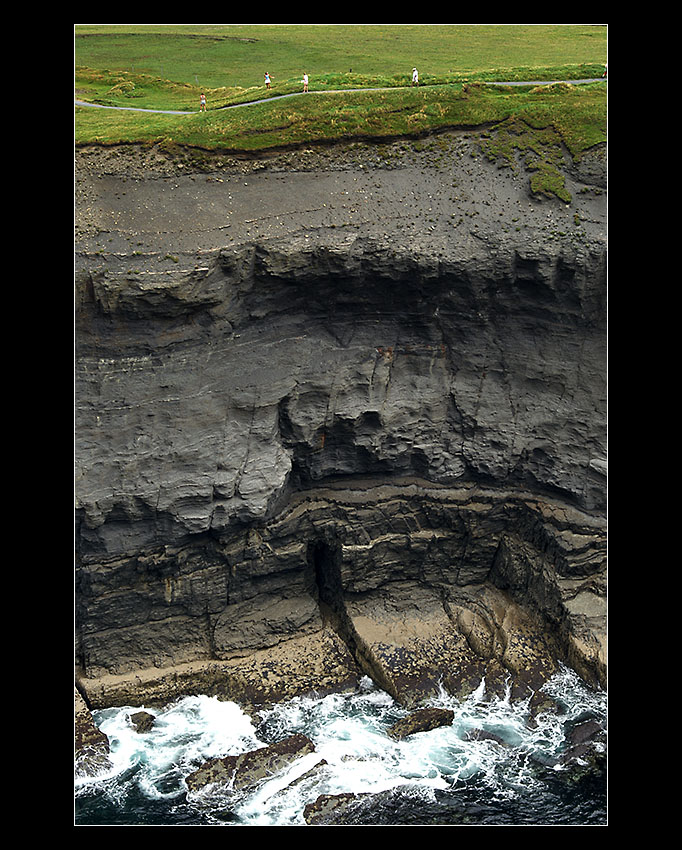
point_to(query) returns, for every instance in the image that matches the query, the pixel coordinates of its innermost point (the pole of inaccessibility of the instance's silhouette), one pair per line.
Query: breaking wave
(497, 763)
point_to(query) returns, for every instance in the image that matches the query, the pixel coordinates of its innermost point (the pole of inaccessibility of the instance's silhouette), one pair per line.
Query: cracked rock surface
(339, 412)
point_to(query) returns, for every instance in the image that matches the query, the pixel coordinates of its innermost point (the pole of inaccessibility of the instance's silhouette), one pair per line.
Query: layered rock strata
(337, 447)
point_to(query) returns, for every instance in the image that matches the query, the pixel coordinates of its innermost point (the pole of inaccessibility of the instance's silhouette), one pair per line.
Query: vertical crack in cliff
(324, 558)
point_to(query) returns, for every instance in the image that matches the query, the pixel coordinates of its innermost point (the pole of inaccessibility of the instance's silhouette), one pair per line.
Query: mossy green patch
(539, 149)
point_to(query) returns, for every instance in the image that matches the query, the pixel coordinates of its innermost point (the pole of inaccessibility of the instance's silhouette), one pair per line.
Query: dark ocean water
(493, 766)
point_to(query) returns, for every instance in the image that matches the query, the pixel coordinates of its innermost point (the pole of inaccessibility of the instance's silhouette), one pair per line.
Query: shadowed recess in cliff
(325, 559)
(344, 445)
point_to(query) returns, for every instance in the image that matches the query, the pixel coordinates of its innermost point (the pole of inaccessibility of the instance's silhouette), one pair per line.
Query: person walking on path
(202, 103)
(305, 82)
(267, 80)
(415, 77)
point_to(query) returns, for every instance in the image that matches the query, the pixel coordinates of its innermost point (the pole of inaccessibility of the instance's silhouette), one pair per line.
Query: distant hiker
(202, 102)
(305, 82)
(415, 77)
(604, 74)
(267, 80)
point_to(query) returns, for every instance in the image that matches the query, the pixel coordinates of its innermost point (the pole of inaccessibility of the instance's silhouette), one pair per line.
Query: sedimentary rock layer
(338, 446)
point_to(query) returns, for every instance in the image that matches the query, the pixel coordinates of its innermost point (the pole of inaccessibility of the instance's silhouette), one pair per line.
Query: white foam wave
(489, 738)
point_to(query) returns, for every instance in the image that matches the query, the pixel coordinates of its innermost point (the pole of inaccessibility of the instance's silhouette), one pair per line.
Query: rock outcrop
(422, 720)
(91, 745)
(248, 770)
(339, 418)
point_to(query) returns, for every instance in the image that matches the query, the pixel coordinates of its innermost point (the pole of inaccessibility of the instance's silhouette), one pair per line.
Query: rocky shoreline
(339, 412)
(224, 783)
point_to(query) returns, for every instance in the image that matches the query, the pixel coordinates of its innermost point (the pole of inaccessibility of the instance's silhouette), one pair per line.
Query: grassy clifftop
(222, 56)
(166, 67)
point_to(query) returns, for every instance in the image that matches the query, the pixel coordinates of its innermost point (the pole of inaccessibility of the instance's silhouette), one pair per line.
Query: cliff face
(336, 416)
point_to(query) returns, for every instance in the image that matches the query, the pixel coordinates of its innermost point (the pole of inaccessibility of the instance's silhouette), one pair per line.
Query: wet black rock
(143, 721)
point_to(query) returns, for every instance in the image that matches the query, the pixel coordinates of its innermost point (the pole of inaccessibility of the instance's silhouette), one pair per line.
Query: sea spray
(496, 762)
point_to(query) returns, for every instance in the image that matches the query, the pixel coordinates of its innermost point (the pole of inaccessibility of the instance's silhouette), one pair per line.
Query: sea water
(494, 765)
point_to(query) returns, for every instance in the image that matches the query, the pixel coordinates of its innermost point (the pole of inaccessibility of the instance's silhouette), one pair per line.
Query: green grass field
(157, 66)
(238, 56)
